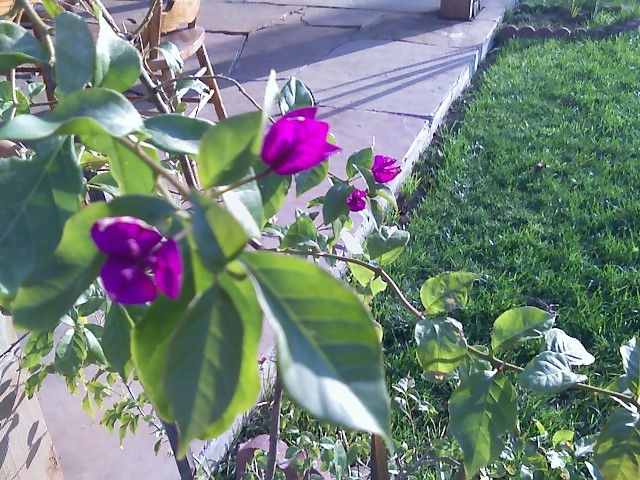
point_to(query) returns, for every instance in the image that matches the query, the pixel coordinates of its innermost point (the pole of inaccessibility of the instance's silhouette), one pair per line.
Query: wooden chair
(177, 24)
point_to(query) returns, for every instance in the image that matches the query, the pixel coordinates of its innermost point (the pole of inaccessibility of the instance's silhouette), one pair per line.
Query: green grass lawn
(538, 190)
(573, 13)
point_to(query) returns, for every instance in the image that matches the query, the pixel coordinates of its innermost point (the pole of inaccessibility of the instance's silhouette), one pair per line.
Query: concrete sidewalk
(380, 69)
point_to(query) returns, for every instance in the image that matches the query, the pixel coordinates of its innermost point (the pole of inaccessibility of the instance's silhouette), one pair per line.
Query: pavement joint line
(341, 108)
(236, 59)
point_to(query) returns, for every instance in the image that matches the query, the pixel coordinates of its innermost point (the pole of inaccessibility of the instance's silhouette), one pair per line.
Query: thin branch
(41, 28)
(11, 347)
(427, 459)
(274, 430)
(216, 76)
(154, 165)
(145, 21)
(244, 181)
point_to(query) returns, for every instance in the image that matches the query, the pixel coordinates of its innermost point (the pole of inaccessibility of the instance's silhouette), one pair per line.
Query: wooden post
(26, 451)
(459, 9)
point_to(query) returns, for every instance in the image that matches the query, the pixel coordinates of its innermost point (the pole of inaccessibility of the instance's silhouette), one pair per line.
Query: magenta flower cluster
(384, 170)
(140, 260)
(296, 142)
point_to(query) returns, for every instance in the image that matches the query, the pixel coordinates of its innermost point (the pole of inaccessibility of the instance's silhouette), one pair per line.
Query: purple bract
(296, 142)
(384, 169)
(140, 261)
(356, 200)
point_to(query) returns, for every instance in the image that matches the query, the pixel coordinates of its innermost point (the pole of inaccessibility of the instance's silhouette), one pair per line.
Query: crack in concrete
(373, 110)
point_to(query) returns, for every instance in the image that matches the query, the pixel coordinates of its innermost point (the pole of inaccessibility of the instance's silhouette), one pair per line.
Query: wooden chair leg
(216, 98)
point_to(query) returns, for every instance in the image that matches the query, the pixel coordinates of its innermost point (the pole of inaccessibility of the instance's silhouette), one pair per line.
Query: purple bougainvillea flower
(356, 200)
(140, 261)
(296, 142)
(384, 169)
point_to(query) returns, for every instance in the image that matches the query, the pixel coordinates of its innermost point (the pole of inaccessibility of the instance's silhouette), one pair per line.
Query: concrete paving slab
(428, 29)
(222, 16)
(286, 48)
(394, 77)
(339, 17)
(387, 5)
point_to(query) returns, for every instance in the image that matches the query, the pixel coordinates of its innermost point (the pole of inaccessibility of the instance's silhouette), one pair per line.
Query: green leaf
(116, 339)
(131, 173)
(245, 204)
(151, 334)
(218, 236)
(229, 149)
(37, 196)
(308, 179)
(52, 8)
(51, 289)
(75, 53)
(301, 235)
(386, 245)
(557, 340)
(519, 324)
(18, 46)
(295, 95)
(203, 365)
(335, 202)
(562, 436)
(630, 352)
(106, 183)
(175, 133)
(273, 191)
(447, 291)
(326, 342)
(481, 409)
(441, 347)
(362, 160)
(118, 64)
(171, 55)
(617, 448)
(94, 348)
(94, 111)
(243, 294)
(71, 351)
(384, 192)
(549, 372)
(38, 345)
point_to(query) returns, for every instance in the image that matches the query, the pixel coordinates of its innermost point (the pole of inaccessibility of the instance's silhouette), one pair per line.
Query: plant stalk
(186, 466)
(274, 429)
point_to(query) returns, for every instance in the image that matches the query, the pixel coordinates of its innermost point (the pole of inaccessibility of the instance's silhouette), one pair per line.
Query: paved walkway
(380, 69)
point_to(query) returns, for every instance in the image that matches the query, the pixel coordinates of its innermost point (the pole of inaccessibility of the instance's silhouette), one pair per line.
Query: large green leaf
(519, 324)
(441, 347)
(176, 133)
(481, 409)
(218, 236)
(245, 204)
(549, 372)
(116, 339)
(447, 291)
(37, 196)
(151, 334)
(203, 364)
(386, 245)
(242, 293)
(53, 286)
(630, 352)
(557, 340)
(118, 64)
(132, 174)
(229, 149)
(75, 53)
(617, 448)
(329, 357)
(18, 46)
(94, 111)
